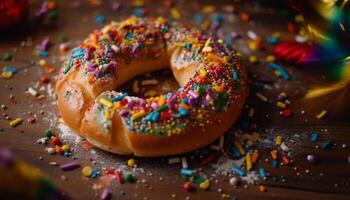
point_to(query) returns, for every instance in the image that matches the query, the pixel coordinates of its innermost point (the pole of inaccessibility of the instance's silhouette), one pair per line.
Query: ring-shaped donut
(213, 88)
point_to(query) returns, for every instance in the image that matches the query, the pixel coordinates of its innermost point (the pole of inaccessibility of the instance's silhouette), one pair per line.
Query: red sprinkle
(44, 79)
(188, 187)
(55, 141)
(119, 176)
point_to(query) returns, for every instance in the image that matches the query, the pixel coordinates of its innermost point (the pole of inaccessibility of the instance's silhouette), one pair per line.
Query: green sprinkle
(221, 101)
(48, 133)
(128, 177)
(52, 15)
(6, 57)
(63, 38)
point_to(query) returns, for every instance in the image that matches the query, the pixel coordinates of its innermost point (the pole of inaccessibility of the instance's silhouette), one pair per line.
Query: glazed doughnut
(213, 88)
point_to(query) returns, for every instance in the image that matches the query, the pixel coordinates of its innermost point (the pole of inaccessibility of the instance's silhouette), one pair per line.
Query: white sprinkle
(149, 82)
(32, 92)
(261, 97)
(43, 140)
(215, 147)
(115, 49)
(184, 163)
(174, 160)
(252, 35)
(234, 181)
(301, 39)
(284, 147)
(51, 150)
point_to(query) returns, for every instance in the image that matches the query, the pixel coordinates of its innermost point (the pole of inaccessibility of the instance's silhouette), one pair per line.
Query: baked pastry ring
(213, 88)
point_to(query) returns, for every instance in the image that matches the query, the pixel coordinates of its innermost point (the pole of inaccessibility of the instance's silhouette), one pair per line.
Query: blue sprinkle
(313, 137)
(275, 164)
(198, 19)
(327, 144)
(234, 74)
(138, 12)
(235, 153)
(218, 18)
(234, 198)
(186, 172)
(10, 69)
(155, 116)
(187, 45)
(272, 40)
(262, 172)
(238, 170)
(280, 69)
(94, 173)
(78, 53)
(229, 41)
(100, 19)
(43, 54)
(129, 36)
(119, 98)
(183, 112)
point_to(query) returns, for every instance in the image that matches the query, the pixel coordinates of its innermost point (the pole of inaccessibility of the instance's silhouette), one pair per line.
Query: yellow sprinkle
(106, 102)
(116, 105)
(131, 162)
(138, 3)
(278, 140)
(208, 9)
(7, 74)
(281, 104)
(322, 114)
(138, 114)
(218, 89)
(205, 24)
(270, 58)
(150, 93)
(16, 122)
(175, 13)
(107, 114)
(206, 47)
(240, 148)
(61, 121)
(65, 147)
(205, 184)
(253, 59)
(202, 73)
(248, 161)
(161, 100)
(86, 171)
(277, 73)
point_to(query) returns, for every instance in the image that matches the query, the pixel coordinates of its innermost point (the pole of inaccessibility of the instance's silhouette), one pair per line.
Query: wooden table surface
(328, 179)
